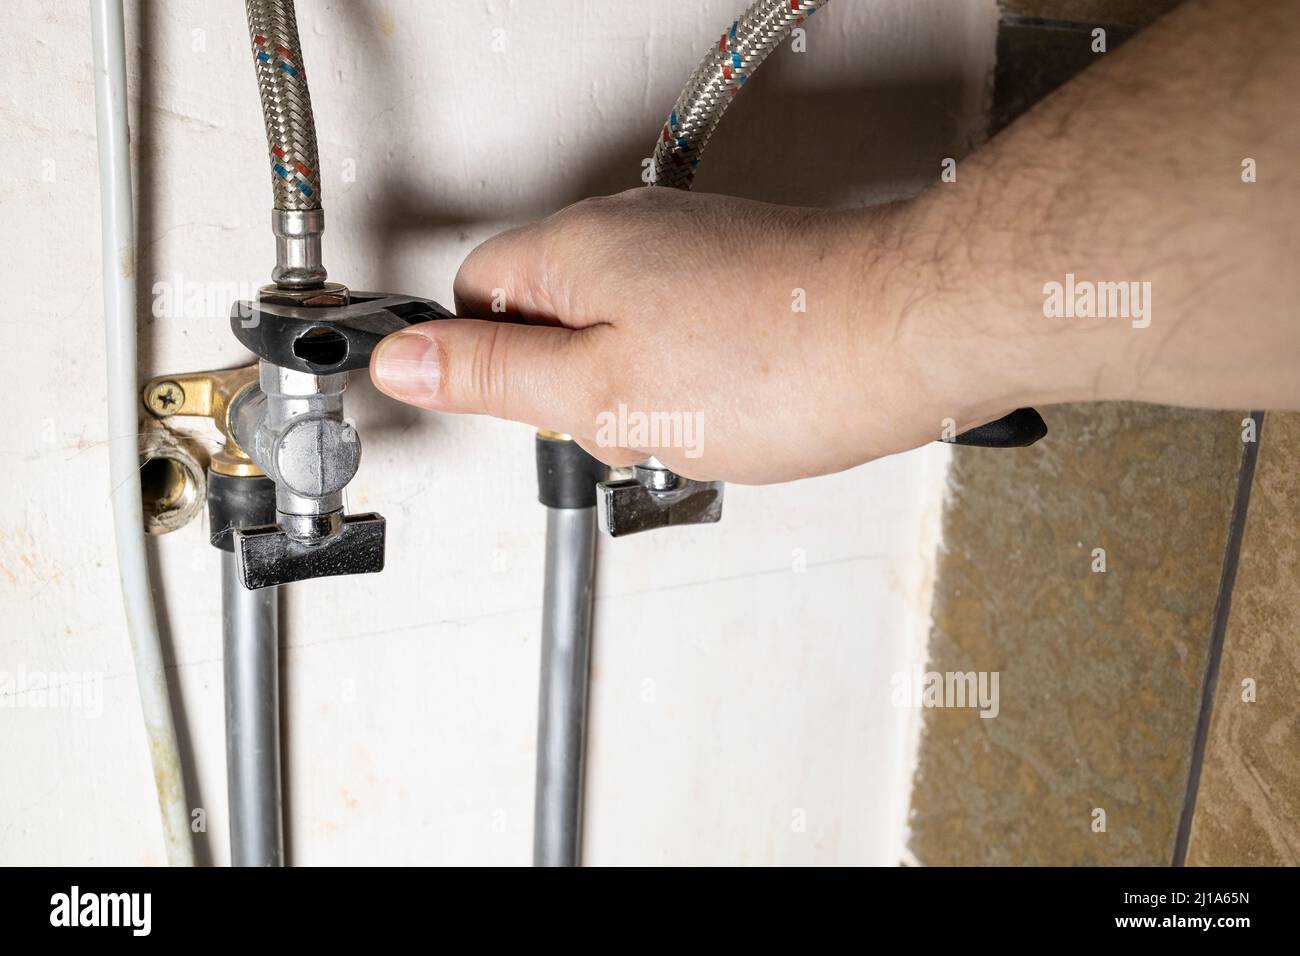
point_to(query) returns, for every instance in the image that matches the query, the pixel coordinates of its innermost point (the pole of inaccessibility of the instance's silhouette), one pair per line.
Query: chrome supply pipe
(562, 708)
(567, 478)
(251, 658)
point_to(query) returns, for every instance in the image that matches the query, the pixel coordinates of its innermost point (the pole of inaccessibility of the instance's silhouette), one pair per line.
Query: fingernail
(407, 366)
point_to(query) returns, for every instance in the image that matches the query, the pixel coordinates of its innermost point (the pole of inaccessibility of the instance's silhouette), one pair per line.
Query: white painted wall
(733, 689)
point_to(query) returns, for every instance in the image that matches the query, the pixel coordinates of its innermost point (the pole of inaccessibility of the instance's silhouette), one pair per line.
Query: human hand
(769, 336)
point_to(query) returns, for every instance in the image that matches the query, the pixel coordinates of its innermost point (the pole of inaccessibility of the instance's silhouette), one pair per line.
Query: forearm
(1131, 173)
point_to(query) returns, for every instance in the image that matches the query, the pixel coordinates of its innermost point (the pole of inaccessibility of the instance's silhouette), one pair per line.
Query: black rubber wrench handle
(1020, 429)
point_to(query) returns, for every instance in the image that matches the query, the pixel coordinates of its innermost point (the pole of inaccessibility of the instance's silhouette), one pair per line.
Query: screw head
(165, 398)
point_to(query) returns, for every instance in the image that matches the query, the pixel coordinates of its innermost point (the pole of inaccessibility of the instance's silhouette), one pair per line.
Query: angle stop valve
(292, 425)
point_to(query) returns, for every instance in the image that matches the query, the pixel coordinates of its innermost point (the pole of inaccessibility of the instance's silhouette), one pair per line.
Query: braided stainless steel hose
(297, 219)
(719, 77)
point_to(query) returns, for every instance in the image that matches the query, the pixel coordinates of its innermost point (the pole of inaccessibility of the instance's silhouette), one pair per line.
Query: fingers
(533, 374)
(533, 272)
(505, 276)
(613, 456)
(531, 348)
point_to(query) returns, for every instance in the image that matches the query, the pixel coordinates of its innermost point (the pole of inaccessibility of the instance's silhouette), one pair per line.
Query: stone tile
(1037, 55)
(1248, 804)
(1034, 60)
(1100, 673)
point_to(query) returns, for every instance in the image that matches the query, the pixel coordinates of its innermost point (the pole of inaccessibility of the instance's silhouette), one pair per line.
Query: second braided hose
(720, 76)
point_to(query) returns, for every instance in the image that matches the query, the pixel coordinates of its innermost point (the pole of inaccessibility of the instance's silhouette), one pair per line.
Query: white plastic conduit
(117, 223)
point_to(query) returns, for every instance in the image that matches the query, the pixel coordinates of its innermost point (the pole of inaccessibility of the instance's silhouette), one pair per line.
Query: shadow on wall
(855, 144)
(834, 148)
(837, 147)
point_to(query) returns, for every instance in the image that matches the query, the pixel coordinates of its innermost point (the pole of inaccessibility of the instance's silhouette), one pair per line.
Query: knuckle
(591, 212)
(489, 373)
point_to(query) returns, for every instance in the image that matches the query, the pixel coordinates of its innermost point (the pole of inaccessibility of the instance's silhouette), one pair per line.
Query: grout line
(1218, 634)
(1074, 26)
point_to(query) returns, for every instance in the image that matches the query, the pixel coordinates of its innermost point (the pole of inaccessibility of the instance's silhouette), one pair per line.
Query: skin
(925, 313)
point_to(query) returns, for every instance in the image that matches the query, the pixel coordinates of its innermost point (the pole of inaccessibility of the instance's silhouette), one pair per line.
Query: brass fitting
(207, 395)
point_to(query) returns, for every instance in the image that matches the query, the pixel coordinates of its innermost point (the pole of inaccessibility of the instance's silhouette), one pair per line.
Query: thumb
(527, 373)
